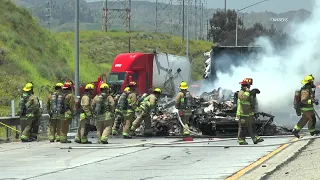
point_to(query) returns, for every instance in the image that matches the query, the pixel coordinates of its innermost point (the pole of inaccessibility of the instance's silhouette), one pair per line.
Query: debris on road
(213, 114)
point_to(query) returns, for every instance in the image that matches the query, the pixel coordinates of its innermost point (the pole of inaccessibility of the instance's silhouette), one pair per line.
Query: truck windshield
(116, 77)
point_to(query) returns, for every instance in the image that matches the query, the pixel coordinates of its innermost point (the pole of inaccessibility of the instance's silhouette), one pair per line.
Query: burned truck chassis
(220, 121)
(217, 122)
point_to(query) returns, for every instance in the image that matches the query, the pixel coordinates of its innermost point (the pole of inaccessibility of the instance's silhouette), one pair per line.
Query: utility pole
(208, 30)
(195, 19)
(105, 16)
(172, 13)
(183, 20)
(49, 13)
(225, 6)
(128, 23)
(156, 22)
(202, 21)
(237, 20)
(76, 68)
(187, 46)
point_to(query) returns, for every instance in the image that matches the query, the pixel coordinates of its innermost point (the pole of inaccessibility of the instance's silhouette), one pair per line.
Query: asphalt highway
(47, 161)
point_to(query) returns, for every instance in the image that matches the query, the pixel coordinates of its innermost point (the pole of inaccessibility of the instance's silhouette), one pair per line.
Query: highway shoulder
(278, 158)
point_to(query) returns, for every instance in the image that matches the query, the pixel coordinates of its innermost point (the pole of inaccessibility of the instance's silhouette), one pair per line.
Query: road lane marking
(258, 162)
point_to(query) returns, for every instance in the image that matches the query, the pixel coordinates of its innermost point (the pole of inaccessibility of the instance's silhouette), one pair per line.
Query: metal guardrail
(15, 121)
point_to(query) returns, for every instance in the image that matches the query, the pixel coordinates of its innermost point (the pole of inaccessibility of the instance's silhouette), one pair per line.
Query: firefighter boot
(26, 140)
(127, 136)
(65, 141)
(314, 133)
(257, 140)
(242, 142)
(115, 132)
(86, 142)
(296, 133)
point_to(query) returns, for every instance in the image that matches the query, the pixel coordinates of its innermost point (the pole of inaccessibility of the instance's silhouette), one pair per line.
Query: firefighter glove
(255, 91)
(316, 101)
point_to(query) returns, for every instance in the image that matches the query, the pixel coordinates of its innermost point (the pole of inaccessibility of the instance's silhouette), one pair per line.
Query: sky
(276, 6)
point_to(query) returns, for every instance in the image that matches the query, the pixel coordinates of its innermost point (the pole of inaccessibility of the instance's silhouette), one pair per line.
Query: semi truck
(149, 70)
(224, 57)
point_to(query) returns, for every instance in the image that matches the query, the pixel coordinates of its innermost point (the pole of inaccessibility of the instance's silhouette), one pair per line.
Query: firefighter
(131, 106)
(55, 107)
(306, 97)
(148, 105)
(103, 107)
(119, 111)
(141, 98)
(69, 109)
(245, 115)
(34, 131)
(184, 103)
(85, 116)
(29, 108)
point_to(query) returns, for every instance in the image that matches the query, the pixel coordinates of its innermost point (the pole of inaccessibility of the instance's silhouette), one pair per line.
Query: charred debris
(213, 115)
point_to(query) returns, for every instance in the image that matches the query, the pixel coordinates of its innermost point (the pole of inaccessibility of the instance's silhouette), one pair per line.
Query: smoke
(277, 73)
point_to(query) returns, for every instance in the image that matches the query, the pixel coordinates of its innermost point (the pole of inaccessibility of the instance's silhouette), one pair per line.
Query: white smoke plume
(278, 72)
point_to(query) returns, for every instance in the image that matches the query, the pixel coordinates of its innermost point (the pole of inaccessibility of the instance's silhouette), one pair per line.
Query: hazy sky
(276, 6)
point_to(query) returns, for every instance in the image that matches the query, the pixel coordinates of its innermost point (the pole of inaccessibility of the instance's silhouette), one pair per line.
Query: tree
(222, 25)
(223, 30)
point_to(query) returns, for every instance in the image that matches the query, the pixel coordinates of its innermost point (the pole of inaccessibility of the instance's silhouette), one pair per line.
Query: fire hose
(192, 132)
(188, 144)
(3, 124)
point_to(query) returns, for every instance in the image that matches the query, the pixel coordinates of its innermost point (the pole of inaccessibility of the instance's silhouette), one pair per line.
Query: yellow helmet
(89, 86)
(157, 90)
(104, 86)
(126, 89)
(59, 85)
(183, 85)
(307, 79)
(28, 87)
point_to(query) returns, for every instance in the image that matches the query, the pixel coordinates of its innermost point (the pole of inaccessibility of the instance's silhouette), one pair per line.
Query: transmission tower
(117, 10)
(48, 13)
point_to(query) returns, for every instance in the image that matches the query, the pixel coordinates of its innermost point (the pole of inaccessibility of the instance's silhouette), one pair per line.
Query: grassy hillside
(30, 53)
(102, 47)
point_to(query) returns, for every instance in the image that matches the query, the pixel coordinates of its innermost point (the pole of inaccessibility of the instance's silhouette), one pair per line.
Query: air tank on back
(168, 72)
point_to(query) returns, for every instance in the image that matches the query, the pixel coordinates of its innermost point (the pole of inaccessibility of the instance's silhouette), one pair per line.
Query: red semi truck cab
(128, 67)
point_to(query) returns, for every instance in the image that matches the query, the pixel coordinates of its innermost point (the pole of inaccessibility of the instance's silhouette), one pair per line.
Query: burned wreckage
(213, 115)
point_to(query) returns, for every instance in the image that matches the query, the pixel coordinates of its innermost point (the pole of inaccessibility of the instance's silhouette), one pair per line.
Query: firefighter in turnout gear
(103, 107)
(85, 116)
(121, 101)
(55, 107)
(130, 107)
(245, 114)
(35, 123)
(148, 105)
(69, 109)
(29, 109)
(305, 98)
(184, 103)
